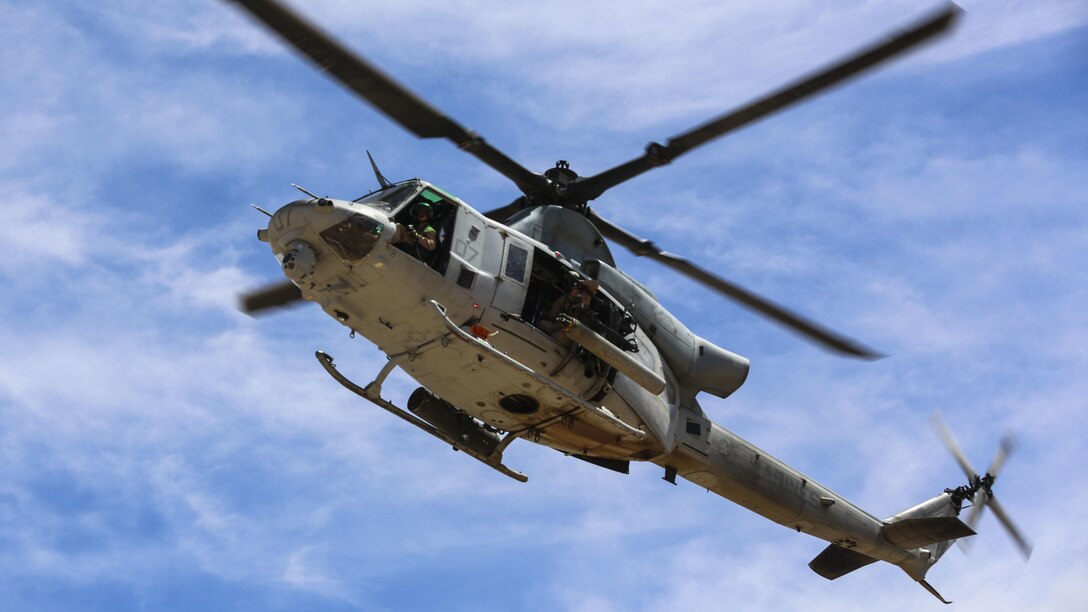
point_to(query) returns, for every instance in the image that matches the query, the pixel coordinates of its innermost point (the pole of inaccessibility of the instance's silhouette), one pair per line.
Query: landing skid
(372, 393)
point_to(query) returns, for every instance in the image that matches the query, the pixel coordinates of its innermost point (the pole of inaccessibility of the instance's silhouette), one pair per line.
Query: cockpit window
(390, 198)
(353, 237)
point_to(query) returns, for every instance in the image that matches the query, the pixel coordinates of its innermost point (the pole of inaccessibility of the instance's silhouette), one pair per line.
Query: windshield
(390, 198)
(353, 237)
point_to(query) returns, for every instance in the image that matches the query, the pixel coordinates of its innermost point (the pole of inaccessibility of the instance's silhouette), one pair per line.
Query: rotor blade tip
(1009, 443)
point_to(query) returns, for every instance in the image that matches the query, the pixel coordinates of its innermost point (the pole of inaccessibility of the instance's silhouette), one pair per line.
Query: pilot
(420, 237)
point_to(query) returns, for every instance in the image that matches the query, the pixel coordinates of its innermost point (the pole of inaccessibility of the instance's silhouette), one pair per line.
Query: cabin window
(431, 196)
(466, 277)
(694, 428)
(516, 260)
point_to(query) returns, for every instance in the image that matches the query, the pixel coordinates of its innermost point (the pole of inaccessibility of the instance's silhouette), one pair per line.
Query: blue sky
(162, 451)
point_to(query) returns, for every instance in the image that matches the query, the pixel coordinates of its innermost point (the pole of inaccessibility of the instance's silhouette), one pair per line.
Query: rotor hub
(561, 174)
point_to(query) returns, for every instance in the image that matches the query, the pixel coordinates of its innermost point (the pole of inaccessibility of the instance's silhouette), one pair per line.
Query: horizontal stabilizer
(915, 532)
(836, 561)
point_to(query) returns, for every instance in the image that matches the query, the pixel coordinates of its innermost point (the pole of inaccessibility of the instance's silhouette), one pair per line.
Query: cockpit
(399, 203)
(441, 217)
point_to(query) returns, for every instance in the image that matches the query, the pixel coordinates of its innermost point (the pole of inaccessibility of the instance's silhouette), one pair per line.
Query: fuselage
(502, 283)
(484, 274)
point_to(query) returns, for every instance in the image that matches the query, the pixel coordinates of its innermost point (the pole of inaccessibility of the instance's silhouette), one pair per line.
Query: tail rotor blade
(980, 487)
(1021, 542)
(950, 443)
(983, 498)
(1008, 445)
(972, 520)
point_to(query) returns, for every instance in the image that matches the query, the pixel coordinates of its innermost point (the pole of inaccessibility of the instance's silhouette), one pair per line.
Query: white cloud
(304, 571)
(38, 231)
(992, 25)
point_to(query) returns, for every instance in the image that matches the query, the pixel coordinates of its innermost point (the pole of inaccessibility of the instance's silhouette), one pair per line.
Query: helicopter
(518, 325)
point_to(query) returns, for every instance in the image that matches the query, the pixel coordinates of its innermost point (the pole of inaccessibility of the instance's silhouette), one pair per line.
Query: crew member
(420, 238)
(575, 303)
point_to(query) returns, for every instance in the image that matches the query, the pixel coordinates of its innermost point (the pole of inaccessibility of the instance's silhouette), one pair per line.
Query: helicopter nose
(297, 220)
(305, 231)
(292, 220)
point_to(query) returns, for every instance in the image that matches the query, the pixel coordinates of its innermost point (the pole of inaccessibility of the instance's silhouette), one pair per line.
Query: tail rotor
(979, 488)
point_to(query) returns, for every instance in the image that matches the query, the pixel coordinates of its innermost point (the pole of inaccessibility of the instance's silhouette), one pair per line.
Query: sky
(162, 451)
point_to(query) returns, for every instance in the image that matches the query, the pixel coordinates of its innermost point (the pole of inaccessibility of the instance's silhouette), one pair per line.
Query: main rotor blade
(277, 295)
(950, 443)
(503, 213)
(1021, 541)
(810, 329)
(657, 155)
(382, 91)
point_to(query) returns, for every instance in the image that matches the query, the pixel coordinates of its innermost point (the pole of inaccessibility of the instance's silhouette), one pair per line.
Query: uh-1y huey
(518, 325)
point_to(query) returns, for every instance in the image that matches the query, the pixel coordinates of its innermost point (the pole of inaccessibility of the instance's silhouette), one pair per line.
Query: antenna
(261, 209)
(384, 182)
(303, 190)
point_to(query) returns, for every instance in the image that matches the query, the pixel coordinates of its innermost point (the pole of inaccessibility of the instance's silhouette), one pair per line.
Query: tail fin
(927, 530)
(930, 523)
